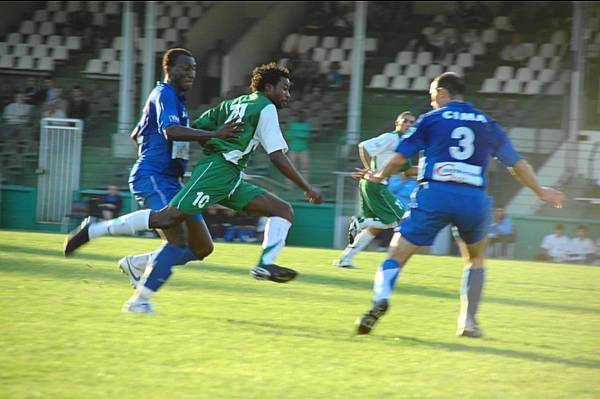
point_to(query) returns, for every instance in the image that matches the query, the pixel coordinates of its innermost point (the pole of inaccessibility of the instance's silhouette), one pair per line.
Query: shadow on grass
(63, 270)
(345, 335)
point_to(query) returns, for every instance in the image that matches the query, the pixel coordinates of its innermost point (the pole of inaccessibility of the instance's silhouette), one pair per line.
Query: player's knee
(286, 211)
(203, 251)
(168, 218)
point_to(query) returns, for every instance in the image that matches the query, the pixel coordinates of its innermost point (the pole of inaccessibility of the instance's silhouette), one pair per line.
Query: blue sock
(385, 279)
(167, 256)
(471, 289)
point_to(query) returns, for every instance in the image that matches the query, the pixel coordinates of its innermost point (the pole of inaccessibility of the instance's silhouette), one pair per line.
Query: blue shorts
(435, 205)
(155, 192)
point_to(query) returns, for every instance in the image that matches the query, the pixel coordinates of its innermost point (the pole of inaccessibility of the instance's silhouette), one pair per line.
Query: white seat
(34, 40)
(290, 42)
(490, 85)
(424, 58)
(457, 69)
(3, 48)
(324, 67)
(40, 15)
(307, 42)
(400, 82)
(183, 22)
(195, 11)
(503, 73)
(336, 54)
(60, 53)
(170, 35)
(529, 49)
(20, 50)
(513, 86)
(27, 28)
(556, 88)
(160, 45)
(433, 71)
(477, 48)
(114, 68)
(73, 43)
(319, 54)
(25, 62)
(117, 43)
(404, 57)
(465, 60)
(93, 66)
(53, 41)
(164, 22)
(545, 75)
(98, 19)
(379, 82)
(347, 43)
(176, 10)
(108, 54)
(14, 38)
(60, 17)
(524, 74)
(420, 84)
(533, 87)
(7, 61)
(345, 68)
(448, 60)
(489, 36)
(47, 28)
(391, 69)
(536, 63)
(412, 71)
(40, 51)
(559, 38)
(329, 42)
(546, 50)
(502, 22)
(370, 44)
(46, 64)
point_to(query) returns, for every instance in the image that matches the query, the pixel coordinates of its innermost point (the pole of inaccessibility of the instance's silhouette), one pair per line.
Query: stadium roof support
(149, 51)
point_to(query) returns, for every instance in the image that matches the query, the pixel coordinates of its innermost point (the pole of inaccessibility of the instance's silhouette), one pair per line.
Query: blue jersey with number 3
(457, 141)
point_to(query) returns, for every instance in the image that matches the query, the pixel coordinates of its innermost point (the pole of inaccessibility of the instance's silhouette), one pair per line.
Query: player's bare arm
(182, 133)
(283, 164)
(365, 157)
(523, 172)
(390, 168)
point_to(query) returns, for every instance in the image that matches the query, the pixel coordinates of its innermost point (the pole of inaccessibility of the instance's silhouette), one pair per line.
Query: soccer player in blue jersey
(163, 137)
(457, 141)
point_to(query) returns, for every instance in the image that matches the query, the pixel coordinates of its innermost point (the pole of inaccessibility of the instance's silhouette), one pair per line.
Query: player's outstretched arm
(283, 164)
(523, 172)
(181, 133)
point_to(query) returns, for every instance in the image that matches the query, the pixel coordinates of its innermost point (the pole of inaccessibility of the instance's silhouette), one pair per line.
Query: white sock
(142, 294)
(361, 241)
(140, 262)
(276, 232)
(124, 225)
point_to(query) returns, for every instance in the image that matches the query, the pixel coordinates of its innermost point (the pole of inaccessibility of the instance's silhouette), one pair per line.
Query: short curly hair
(267, 73)
(171, 56)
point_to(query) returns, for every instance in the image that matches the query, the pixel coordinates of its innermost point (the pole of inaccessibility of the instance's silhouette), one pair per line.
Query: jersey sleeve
(379, 144)
(413, 140)
(166, 110)
(504, 149)
(268, 131)
(207, 121)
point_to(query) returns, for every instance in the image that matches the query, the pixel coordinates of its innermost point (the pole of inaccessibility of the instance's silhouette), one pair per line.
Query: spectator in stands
(342, 21)
(433, 42)
(78, 107)
(33, 94)
(49, 91)
(17, 116)
(55, 106)
(581, 247)
(243, 228)
(501, 232)
(298, 134)
(82, 22)
(305, 75)
(110, 205)
(515, 52)
(479, 16)
(555, 246)
(334, 78)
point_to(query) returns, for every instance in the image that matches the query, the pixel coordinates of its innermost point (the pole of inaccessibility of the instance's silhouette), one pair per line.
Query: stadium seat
(7, 61)
(14, 38)
(164, 22)
(160, 45)
(183, 22)
(559, 38)
(60, 53)
(513, 86)
(40, 51)
(391, 69)
(73, 43)
(502, 22)
(421, 83)
(195, 11)
(424, 58)
(348, 43)
(489, 36)
(34, 40)
(46, 64)
(319, 54)
(307, 42)
(556, 88)
(536, 63)
(545, 75)
(524, 75)
(117, 43)
(60, 17)
(20, 50)
(503, 73)
(465, 60)
(329, 42)
(27, 28)
(490, 85)
(433, 70)
(555, 63)
(170, 36)
(404, 58)
(546, 50)
(379, 82)
(47, 28)
(53, 41)
(290, 42)
(98, 19)
(529, 49)
(345, 68)
(412, 71)
(40, 15)
(114, 68)
(25, 62)
(3, 48)
(336, 54)
(533, 87)
(457, 69)
(176, 10)
(477, 48)
(400, 83)
(370, 44)
(93, 66)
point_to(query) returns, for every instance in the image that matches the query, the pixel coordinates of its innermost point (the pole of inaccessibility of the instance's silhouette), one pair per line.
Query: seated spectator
(55, 106)
(110, 205)
(334, 78)
(434, 42)
(17, 116)
(515, 52)
(479, 16)
(555, 246)
(501, 232)
(78, 107)
(581, 247)
(33, 94)
(298, 134)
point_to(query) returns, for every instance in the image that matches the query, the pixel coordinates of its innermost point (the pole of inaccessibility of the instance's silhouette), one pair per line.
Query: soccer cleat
(130, 271)
(79, 236)
(137, 306)
(341, 262)
(471, 331)
(274, 273)
(353, 229)
(368, 320)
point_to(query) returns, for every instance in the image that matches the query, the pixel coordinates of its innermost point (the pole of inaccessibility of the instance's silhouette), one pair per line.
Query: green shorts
(377, 202)
(215, 181)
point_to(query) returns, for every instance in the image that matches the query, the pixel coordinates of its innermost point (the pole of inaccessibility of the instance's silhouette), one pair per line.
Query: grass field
(221, 334)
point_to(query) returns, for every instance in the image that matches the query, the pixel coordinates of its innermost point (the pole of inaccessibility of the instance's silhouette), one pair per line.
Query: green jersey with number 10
(261, 126)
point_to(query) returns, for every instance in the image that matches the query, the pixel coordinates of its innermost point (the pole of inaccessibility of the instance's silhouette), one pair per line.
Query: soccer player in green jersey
(218, 178)
(380, 210)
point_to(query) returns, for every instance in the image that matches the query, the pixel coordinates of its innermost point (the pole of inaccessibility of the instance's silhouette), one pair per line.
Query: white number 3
(465, 147)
